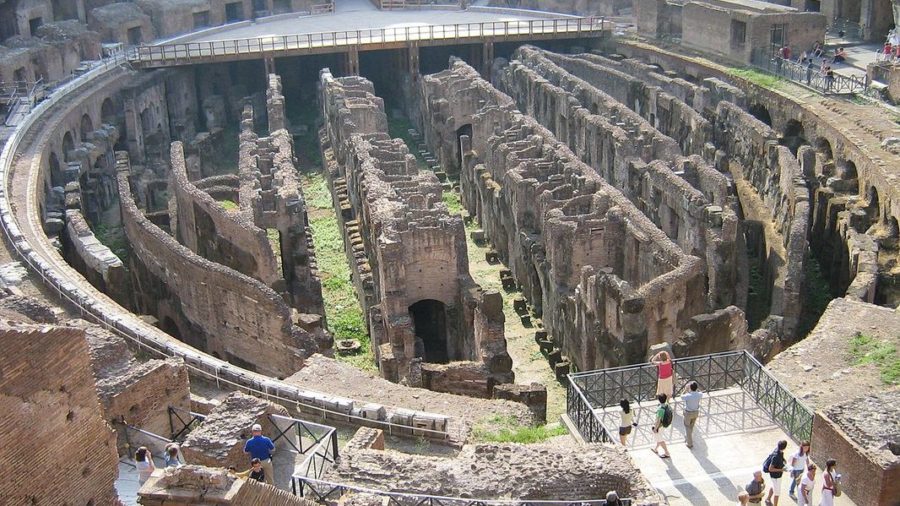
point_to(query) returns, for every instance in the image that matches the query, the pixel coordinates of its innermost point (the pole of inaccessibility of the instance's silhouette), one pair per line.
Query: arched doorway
(68, 145)
(760, 112)
(87, 126)
(56, 176)
(794, 136)
(430, 326)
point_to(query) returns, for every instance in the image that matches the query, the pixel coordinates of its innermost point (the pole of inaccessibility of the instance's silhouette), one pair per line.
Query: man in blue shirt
(691, 411)
(260, 447)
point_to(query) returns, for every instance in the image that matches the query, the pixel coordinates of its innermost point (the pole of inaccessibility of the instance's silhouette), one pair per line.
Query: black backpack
(667, 416)
(768, 462)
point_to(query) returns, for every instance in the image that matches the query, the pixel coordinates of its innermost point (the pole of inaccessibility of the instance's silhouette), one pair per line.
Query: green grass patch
(114, 239)
(342, 308)
(869, 350)
(229, 205)
(506, 429)
(758, 77)
(453, 202)
(274, 238)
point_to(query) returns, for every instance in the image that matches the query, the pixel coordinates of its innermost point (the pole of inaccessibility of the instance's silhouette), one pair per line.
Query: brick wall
(56, 447)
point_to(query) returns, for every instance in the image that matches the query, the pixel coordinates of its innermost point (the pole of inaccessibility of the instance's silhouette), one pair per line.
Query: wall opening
(430, 326)
(234, 12)
(34, 24)
(68, 145)
(170, 327)
(64, 9)
(463, 130)
(108, 112)
(56, 176)
(201, 19)
(135, 35)
(87, 126)
(760, 112)
(794, 136)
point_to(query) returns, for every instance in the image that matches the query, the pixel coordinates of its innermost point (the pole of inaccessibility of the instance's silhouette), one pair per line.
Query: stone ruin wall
(216, 234)
(654, 176)
(227, 314)
(412, 248)
(772, 190)
(572, 241)
(533, 472)
(138, 393)
(48, 400)
(851, 187)
(270, 195)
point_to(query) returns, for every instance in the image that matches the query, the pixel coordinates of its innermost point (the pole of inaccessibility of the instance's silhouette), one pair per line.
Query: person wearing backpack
(774, 465)
(663, 420)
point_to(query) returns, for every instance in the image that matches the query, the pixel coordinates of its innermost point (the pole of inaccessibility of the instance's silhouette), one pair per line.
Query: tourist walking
(799, 463)
(830, 489)
(774, 465)
(143, 461)
(756, 488)
(260, 447)
(626, 422)
(807, 483)
(691, 401)
(665, 373)
(663, 420)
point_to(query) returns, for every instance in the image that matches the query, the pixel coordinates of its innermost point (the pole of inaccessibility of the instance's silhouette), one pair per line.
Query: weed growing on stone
(758, 77)
(342, 309)
(506, 429)
(454, 204)
(114, 239)
(229, 205)
(868, 350)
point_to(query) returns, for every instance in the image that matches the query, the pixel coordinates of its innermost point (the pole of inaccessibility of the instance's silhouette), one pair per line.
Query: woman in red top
(663, 363)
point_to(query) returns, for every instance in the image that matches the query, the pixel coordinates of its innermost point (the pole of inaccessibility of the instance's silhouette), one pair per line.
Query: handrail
(98, 311)
(187, 51)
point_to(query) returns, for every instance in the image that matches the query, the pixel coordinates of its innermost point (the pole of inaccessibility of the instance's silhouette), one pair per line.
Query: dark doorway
(135, 35)
(761, 113)
(68, 145)
(234, 12)
(430, 321)
(201, 19)
(34, 24)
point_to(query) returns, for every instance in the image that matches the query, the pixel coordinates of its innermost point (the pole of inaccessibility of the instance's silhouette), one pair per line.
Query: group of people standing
(802, 473)
(799, 467)
(690, 395)
(259, 448)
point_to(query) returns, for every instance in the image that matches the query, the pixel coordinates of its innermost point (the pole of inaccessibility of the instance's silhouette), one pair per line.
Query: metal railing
(327, 492)
(182, 421)
(180, 53)
(591, 391)
(813, 77)
(390, 5)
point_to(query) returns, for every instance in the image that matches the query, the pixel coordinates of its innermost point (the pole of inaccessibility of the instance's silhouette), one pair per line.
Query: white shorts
(658, 436)
(776, 486)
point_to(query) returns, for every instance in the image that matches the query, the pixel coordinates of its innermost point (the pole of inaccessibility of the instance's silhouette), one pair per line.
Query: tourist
(626, 422)
(665, 373)
(809, 71)
(173, 455)
(806, 486)
(887, 51)
(799, 463)
(256, 472)
(663, 420)
(775, 468)
(612, 498)
(691, 410)
(832, 481)
(756, 488)
(143, 461)
(260, 447)
(743, 498)
(840, 56)
(829, 77)
(818, 50)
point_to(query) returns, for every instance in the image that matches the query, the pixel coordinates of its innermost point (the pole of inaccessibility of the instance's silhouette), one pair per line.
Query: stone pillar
(353, 61)
(487, 58)
(269, 63)
(413, 51)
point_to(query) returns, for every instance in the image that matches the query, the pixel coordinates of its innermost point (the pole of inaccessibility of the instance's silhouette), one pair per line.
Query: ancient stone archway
(430, 326)
(463, 130)
(87, 126)
(68, 144)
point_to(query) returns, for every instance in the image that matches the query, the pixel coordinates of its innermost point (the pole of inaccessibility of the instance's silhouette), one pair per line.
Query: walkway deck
(731, 441)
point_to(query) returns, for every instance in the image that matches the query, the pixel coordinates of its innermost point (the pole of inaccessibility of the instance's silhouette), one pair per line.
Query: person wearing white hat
(260, 447)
